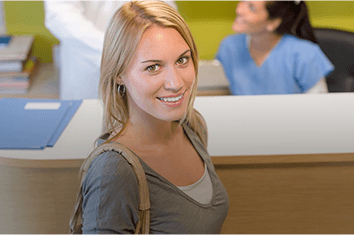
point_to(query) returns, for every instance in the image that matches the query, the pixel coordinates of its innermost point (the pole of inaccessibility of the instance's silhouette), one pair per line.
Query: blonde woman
(148, 84)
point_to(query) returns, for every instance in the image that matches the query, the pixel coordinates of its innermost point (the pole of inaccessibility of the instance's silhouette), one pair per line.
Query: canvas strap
(143, 225)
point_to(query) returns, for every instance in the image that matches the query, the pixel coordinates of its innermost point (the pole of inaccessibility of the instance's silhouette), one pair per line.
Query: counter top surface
(237, 125)
(76, 141)
(279, 124)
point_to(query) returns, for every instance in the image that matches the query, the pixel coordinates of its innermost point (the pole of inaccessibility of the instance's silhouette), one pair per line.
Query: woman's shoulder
(109, 157)
(300, 45)
(110, 185)
(301, 50)
(230, 46)
(234, 40)
(108, 166)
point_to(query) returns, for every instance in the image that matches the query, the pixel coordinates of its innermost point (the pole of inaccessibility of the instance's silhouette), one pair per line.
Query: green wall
(27, 17)
(209, 21)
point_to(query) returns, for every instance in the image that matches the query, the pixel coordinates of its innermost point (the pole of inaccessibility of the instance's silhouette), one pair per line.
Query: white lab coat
(80, 26)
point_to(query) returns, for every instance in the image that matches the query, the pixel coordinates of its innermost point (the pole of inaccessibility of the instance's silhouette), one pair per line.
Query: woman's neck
(155, 129)
(261, 45)
(264, 42)
(151, 130)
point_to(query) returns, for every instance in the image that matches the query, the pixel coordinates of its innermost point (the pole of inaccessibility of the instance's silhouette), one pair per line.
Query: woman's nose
(174, 80)
(239, 8)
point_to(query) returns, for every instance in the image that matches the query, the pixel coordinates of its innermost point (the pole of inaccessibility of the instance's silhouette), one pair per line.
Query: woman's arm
(110, 196)
(320, 87)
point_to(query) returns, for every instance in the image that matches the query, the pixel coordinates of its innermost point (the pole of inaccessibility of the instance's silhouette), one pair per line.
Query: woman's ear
(273, 25)
(119, 80)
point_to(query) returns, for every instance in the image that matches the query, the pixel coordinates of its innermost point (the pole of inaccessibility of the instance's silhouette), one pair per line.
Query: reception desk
(287, 162)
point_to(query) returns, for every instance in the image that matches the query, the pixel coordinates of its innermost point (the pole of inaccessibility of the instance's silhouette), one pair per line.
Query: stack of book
(17, 64)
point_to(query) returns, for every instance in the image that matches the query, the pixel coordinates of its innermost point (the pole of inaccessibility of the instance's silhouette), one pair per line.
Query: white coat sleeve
(65, 20)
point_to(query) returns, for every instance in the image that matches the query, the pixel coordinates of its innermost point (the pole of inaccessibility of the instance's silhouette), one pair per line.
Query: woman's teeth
(170, 99)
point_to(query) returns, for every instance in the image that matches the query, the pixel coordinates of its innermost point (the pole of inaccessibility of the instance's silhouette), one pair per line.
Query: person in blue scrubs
(274, 50)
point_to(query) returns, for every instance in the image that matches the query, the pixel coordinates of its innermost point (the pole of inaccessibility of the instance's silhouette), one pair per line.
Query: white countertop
(238, 125)
(76, 141)
(279, 124)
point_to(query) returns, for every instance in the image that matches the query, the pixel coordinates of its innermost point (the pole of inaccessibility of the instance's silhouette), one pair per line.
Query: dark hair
(294, 16)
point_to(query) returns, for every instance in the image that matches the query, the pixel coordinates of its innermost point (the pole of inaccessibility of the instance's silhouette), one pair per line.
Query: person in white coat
(80, 26)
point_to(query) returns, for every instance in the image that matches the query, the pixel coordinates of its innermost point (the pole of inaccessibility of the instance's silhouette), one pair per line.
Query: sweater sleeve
(110, 196)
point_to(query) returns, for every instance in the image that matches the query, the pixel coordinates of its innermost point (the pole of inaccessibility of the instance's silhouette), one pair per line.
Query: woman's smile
(173, 100)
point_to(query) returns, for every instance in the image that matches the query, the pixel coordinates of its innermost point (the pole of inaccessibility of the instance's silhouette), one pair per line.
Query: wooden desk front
(289, 193)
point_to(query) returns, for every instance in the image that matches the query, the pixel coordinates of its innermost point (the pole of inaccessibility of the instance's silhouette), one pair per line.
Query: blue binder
(34, 123)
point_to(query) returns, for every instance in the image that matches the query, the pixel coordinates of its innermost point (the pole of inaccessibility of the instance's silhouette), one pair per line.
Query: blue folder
(34, 128)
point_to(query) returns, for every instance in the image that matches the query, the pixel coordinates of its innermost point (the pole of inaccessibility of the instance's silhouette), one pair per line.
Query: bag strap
(143, 225)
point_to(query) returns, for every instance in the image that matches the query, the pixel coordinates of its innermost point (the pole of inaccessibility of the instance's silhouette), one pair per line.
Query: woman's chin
(174, 116)
(236, 28)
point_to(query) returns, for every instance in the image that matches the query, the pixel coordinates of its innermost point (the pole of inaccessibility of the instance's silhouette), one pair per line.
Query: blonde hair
(122, 37)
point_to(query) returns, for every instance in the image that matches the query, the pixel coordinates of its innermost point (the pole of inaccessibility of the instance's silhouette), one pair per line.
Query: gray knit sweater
(111, 198)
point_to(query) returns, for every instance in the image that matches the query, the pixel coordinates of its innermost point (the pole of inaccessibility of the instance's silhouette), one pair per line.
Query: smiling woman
(148, 85)
(274, 50)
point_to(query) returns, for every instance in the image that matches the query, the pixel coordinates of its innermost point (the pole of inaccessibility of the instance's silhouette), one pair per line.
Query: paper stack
(17, 64)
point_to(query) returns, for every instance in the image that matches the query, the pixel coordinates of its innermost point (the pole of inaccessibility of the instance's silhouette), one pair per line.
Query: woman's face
(251, 17)
(159, 78)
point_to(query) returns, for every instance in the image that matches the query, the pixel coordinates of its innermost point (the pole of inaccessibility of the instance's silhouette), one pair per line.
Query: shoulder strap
(203, 127)
(143, 225)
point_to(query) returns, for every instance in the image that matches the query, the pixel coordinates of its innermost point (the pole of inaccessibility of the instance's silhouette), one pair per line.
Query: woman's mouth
(172, 101)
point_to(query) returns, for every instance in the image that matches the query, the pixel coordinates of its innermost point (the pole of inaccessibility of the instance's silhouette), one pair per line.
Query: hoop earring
(123, 90)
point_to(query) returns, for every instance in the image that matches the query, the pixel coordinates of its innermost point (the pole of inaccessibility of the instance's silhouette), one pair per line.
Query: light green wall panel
(207, 10)
(338, 9)
(27, 17)
(209, 21)
(332, 14)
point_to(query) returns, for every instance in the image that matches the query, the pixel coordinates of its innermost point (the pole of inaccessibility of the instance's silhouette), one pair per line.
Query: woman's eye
(153, 68)
(252, 8)
(182, 60)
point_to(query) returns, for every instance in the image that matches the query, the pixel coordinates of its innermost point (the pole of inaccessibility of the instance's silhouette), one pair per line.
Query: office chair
(338, 45)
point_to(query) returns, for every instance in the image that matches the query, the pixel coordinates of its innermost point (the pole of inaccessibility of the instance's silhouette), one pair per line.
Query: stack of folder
(17, 64)
(34, 123)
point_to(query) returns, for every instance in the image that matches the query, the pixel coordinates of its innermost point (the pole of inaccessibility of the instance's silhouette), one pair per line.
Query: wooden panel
(264, 198)
(66, 186)
(289, 198)
(213, 92)
(36, 200)
(41, 164)
(281, 159)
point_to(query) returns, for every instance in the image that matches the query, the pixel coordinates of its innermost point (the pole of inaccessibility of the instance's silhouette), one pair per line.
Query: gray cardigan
(111, 198)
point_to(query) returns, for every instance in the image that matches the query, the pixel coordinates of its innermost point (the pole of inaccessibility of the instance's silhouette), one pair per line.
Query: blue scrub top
(293, 66)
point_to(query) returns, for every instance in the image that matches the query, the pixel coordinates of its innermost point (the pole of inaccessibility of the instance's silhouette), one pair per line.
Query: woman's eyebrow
(160, 61)
(148, 61)
(185, 52)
